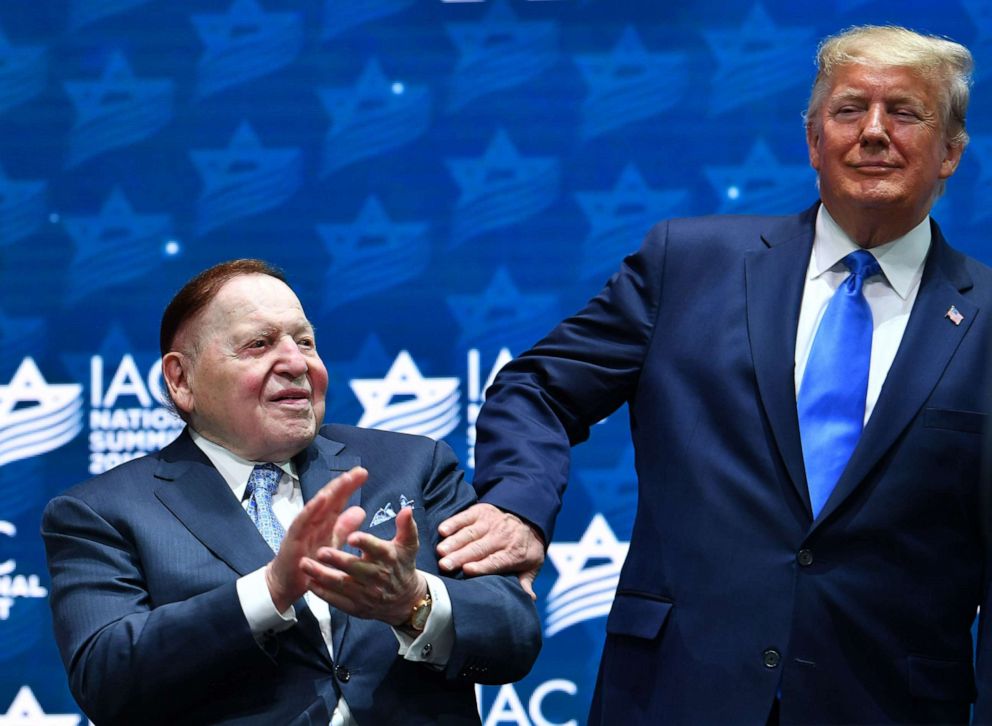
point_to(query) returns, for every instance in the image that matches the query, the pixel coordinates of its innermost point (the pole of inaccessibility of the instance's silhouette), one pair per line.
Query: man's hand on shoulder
(484, 540)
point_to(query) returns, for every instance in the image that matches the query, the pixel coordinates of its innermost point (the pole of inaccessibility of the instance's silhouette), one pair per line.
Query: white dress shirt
(890, 295)
(432, 646)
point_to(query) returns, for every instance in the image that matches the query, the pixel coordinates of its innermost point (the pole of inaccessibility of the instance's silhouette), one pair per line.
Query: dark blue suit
(144, 560)
(731, 591)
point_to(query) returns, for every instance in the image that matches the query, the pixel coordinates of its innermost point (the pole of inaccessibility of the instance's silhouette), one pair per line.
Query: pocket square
(386, 511)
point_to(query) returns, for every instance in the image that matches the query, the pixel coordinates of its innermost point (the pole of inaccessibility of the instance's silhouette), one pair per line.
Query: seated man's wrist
(419, 609)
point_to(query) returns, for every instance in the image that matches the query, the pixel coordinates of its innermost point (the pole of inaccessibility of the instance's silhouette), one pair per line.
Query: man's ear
(176, 370)
(813, 144)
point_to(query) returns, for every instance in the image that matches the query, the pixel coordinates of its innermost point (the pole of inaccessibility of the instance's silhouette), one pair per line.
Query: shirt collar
(901, 259)
(232, 467)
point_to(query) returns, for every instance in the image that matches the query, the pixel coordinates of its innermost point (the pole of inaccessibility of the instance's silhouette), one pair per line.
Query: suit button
(771, 658)
(805, 558)
(343, 674)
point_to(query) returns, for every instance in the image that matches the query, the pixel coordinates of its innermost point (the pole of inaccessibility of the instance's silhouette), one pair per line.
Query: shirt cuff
(256, 603)
(434, 645)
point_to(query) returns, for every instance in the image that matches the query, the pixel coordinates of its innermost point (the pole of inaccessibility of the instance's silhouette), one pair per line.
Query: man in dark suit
(221, 581)
(785, 565)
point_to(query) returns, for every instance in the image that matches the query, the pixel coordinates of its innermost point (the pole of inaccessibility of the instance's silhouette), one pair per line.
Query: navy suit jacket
(732, 592)
(144, 561)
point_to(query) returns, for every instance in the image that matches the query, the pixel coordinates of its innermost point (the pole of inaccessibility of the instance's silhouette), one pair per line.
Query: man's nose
(874, 129)
(291, 359)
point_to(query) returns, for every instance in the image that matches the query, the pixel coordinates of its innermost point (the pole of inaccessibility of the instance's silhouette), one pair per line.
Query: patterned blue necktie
(831, 399)
(262, 484)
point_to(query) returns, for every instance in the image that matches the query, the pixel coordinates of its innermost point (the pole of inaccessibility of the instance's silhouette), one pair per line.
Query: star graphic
(628, 64)
(498, 52)
(403, 390)
(118, 90)
(115, 229)
(244, 157)
(756, 59)
(373, 116)
(57, 408)
(374, 253)
(113, 246)
(584, 591)
(244, 44)
(243, 24)
(630, 197)
(761, 183)
(617, 217)
(373, 94)
(372, 232)
(570, 558)
(629, 84)
(488, 39)
(26, 711)
(28, 385)
(501, 310)
(501, 165)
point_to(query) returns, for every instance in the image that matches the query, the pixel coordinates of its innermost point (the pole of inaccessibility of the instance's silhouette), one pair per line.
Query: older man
(221, 581)
(806, 398)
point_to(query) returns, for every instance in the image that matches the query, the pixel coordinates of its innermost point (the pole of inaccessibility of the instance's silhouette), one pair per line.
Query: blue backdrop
(442, 181)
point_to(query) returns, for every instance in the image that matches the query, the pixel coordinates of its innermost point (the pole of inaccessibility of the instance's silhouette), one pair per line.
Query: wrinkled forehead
(248, 303)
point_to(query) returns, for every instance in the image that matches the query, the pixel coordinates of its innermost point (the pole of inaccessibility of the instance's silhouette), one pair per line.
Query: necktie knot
(264, 478)
(862, 265)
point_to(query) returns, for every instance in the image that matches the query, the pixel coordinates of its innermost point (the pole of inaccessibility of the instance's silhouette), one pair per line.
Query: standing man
(806, 404)
(220, 581)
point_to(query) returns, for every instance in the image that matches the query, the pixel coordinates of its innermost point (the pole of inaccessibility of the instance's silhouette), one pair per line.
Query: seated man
(220, 581)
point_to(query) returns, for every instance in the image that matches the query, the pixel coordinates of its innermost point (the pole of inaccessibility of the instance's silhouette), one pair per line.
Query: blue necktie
(831, 399)
(262, 484)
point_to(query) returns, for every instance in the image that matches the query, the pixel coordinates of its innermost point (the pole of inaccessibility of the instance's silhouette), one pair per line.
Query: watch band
(419, 613)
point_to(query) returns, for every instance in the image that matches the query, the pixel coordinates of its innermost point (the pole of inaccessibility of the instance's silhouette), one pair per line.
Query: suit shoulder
(110, 494)
(734, 234)
(362, 438)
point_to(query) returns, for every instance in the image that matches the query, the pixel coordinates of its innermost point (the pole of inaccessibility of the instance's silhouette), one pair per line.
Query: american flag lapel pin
(954, 315)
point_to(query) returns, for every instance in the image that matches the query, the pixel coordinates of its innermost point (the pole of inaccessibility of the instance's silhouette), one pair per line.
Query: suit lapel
(195, 492)
(926, 348)
(317, 465)
(774, 281)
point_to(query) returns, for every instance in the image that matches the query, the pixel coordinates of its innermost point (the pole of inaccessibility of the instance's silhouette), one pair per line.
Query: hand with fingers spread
(315, 527)
(382, 583)
(485, 540)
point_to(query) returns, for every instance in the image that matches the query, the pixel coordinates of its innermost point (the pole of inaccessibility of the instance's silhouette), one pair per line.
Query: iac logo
(36, 416)
(15, 585)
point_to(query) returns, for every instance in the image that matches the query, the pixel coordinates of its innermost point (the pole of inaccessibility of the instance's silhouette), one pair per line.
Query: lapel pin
(954, 315)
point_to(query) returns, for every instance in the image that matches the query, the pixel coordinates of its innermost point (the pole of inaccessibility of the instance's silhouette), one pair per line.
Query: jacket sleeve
(125, 658)
(497, 630)
(545, 401)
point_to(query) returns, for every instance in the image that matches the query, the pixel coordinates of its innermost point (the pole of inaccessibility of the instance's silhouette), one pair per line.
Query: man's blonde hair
(946, 63)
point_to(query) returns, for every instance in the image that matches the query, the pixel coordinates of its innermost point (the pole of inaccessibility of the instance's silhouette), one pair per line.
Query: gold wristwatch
(419, 613)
